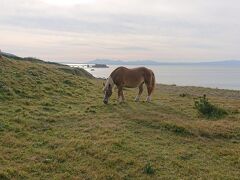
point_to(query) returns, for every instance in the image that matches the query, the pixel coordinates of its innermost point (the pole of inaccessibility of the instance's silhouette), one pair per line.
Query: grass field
(54, 125)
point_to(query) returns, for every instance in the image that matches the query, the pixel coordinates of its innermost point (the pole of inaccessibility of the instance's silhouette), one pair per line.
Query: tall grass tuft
(208, 110)
(148, 169)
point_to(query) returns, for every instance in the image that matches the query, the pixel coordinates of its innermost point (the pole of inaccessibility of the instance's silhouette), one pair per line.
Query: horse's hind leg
(140, 92)
(149, 90)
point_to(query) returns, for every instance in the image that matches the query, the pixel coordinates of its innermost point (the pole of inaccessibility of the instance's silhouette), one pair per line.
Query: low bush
(208, 110)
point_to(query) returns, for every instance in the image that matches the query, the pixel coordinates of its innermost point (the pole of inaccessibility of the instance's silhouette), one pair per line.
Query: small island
(100, 66)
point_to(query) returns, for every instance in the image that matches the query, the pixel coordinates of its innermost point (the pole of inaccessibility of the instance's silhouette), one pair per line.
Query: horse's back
(131, 77)
(137, 69)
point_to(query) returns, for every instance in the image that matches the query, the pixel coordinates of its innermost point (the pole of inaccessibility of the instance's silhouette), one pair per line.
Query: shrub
(209, 110)
(148, 169)
(68, 82)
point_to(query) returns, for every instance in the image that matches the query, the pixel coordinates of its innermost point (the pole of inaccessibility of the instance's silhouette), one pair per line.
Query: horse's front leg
(120, 94)
(139, 93)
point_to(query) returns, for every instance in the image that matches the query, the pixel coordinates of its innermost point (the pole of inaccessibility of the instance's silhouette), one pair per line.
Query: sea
(220, 77)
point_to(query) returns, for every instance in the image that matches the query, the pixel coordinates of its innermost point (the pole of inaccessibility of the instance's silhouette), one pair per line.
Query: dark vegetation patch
(209, 110)
(184, 95)
(12, 173)
(148, 169)
(3, 126)
(69, 82)
(48, 108)
(21, 93)
(186, 156)
(176, 129)
(5, 91)
(3, 176)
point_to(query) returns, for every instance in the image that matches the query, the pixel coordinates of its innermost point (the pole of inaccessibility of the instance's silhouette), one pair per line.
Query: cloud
(128, 29)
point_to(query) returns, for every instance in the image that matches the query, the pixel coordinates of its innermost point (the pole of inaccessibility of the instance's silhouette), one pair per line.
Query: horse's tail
(153, 81)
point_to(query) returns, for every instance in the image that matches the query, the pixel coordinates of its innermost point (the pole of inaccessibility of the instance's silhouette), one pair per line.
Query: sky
(82, 30)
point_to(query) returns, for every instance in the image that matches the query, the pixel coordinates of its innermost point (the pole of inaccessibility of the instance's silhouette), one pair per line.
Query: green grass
(54, 125)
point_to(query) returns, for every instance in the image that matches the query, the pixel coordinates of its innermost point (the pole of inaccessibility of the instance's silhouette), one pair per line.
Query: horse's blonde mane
(109, 81)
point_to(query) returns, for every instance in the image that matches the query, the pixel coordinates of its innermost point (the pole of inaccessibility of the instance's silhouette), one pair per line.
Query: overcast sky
(81, 30)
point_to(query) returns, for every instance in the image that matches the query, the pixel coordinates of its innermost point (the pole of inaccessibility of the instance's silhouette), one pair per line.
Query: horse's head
(107, 90)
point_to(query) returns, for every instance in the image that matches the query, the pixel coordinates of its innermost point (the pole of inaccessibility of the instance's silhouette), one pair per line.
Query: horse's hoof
(148, 99)
(136, 99)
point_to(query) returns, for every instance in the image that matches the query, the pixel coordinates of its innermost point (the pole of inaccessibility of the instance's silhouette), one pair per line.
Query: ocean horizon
(219, 77)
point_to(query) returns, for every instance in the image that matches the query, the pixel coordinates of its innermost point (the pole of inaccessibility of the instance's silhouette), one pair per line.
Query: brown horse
(130, 78)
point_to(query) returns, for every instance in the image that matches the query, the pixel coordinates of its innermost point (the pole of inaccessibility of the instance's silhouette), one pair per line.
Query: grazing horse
(130, 78)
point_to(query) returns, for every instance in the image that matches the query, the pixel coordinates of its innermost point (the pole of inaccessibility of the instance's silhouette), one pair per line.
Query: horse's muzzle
(105, 100)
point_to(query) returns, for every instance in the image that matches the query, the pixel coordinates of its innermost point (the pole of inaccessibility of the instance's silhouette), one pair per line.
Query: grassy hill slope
(53, 124)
